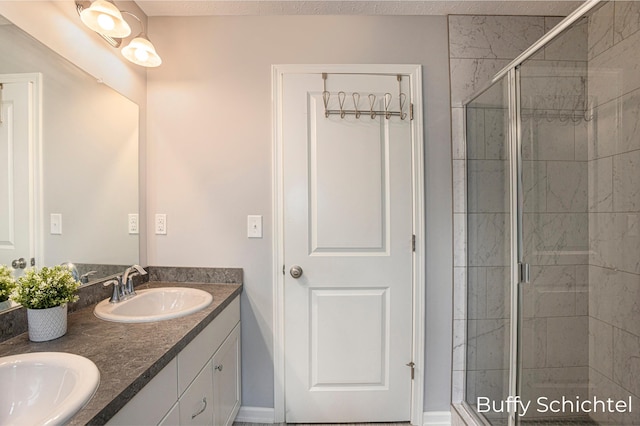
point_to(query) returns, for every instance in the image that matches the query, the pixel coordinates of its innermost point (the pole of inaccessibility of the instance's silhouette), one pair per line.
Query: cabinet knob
(218, 367)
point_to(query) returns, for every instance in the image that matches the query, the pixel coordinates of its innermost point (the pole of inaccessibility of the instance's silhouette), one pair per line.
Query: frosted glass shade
(104, 17)
(140, 51)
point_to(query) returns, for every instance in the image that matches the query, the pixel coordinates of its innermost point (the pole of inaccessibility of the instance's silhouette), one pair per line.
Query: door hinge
(412, 365)
(413, 242)
(283, 270)
(411, 112)
(524, 272)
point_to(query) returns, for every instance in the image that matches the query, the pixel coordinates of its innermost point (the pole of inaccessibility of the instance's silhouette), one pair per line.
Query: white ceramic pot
(47, 324)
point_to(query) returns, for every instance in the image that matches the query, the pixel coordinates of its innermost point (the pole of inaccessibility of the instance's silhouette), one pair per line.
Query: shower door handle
(525, 273)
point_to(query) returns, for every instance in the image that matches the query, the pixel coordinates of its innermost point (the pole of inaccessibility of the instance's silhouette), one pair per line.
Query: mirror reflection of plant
(46, 288)
(7, 283)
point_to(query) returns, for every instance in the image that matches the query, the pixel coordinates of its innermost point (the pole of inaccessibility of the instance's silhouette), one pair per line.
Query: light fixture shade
(104, 17)
(140, 51)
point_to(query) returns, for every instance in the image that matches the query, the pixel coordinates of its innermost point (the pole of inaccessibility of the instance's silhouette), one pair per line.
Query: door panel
(348, 224)
(15, 137)
(357, 357)
(347, 218)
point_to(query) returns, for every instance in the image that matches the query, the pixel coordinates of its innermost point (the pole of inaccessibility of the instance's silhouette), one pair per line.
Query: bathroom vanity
(180, 371)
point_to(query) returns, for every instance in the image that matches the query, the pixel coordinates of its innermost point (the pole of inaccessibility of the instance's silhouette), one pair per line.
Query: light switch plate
(56, 224)
(161, 224)
(254, 226)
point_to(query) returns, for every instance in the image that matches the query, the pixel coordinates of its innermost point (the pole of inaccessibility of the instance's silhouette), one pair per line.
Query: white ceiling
(356, 7)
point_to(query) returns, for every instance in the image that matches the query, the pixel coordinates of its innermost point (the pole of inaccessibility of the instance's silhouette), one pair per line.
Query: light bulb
(106, 22)
(141, 55)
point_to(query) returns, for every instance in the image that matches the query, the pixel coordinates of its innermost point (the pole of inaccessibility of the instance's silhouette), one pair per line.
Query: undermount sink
(45, 388)
(155, 304)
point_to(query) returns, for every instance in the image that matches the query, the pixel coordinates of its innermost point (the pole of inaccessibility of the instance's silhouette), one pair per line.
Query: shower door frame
(519, 271)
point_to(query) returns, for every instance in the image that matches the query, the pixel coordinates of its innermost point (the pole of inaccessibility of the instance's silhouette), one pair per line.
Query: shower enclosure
(553, 228)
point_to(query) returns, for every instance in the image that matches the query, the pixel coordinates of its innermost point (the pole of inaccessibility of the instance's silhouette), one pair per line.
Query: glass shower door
(488, 252)
(553, 312)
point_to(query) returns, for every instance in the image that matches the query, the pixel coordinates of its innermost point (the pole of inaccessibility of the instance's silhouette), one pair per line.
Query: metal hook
(325, 98)
(387, 104)
(372, 103)
(341, 97)
(356, 99)
(402, 100)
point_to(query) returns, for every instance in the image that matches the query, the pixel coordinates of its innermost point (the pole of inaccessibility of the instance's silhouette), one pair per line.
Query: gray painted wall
(209, 156)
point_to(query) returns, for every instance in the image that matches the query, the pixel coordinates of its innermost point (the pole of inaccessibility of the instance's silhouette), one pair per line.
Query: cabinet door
(196, 404)
(226, 380)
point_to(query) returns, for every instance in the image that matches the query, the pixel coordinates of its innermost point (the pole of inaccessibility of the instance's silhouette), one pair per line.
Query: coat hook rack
(371, 112)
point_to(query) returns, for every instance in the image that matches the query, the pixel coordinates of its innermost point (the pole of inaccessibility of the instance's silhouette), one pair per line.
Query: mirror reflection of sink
(155, 304)
(45, 388)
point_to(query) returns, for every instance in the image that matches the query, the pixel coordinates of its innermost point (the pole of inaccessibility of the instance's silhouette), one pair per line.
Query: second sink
(45, 388)
(155, 304)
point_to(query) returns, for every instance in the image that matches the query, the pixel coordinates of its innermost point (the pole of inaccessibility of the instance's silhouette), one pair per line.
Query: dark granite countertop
(127, 355)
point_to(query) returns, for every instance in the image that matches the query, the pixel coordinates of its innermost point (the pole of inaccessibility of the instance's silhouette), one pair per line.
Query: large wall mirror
(68, 163)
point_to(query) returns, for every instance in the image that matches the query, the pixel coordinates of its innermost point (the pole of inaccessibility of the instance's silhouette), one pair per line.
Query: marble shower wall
(614, 206)
(555, 205)
(479, 47)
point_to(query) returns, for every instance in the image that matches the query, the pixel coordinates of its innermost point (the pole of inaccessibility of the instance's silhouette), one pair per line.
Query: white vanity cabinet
(201, 386)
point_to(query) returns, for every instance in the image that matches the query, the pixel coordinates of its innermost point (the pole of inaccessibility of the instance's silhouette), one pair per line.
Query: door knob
(19, 263)
(296, 271)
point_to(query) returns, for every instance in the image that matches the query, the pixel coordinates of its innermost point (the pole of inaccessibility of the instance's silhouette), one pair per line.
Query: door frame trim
(419, 256)
(36, 215)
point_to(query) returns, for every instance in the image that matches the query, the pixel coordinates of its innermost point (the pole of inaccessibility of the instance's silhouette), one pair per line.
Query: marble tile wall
(582, 204)
(556, 201)
(479, 47)
(614, 206)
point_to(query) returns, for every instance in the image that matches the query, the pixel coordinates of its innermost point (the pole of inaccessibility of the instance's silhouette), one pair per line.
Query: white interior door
(15, 137)
(347, 192)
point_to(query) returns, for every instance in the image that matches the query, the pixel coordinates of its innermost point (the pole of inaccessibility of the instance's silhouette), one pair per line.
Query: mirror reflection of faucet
(82, 279)
(123, 284)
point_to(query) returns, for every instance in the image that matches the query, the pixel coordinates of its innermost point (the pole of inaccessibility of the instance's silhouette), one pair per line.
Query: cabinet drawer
(196, 404)
(195, 355)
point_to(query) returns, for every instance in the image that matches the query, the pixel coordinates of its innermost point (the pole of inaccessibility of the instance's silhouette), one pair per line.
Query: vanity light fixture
(104, 18)
(140, 50)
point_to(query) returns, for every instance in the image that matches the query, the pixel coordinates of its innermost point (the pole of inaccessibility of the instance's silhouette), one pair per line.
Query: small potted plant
(7, 284)
(45, 294)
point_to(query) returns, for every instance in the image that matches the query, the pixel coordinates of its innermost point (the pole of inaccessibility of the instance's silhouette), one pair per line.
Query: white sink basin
(45, 388)
(155, 304)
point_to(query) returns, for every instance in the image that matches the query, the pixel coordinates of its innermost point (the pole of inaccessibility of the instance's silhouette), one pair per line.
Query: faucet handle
(117, 289)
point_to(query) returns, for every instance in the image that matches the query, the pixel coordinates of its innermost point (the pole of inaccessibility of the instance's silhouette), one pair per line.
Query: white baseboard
(436, 418)
(255, 415)
(267, 415)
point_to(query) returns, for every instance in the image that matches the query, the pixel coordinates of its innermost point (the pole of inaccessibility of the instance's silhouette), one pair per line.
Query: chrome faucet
(123, 284)
(127, 282)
